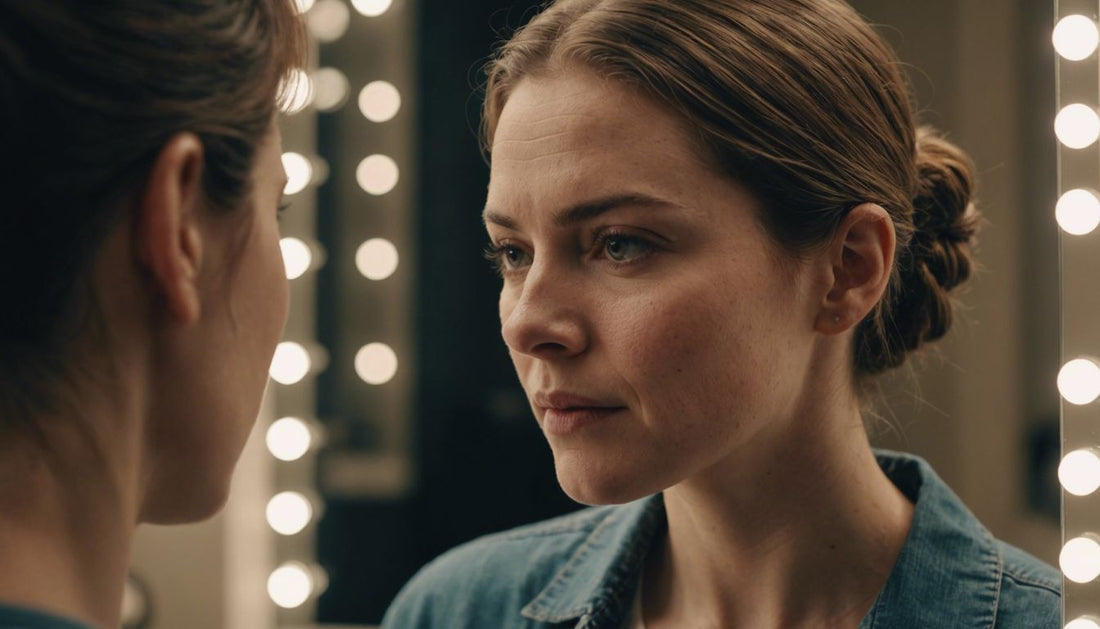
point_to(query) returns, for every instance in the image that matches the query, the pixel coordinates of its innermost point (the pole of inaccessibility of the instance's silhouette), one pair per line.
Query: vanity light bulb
(1077, 126)
(329, 20)
(1075, 37)
(1079, 472)
(379, 101)
(330, 87)
(297, 91)
(376, 363)
(290, 363)
(290, 585)
(297, 257)
(377, 174)
(303, 5)
(1080, 560)
(1078, 212)
(371, 8)
(376, 259)
(289, 513)
(1079, 381)
(299, 172)
(1083, 622)
(289, 438)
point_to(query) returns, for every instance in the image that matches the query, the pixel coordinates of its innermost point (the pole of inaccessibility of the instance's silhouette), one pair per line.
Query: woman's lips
(565, 421)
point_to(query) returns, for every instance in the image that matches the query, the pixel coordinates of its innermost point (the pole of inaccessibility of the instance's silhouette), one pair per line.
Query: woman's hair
(801, 102)
(90, 92)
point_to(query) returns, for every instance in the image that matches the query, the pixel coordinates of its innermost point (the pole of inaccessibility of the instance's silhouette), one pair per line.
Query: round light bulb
(303, 5)
(376, 363)
(1079, 472)
(1078, 212)
(299, 172)
(379, 101)
(289, 438)
(1075, 37)
(376, 259)
(371, 8)
(377, 174)
(289, 512)
(290, 585)
(329, 20)
(297, 92)
(1079, 381)
(1080, 560)
(330, 89)
(291, 363)
(1083, 622)
(297, 257)
(1077, 126)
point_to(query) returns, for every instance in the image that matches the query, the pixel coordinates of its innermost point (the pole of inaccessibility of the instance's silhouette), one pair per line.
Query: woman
(143, 281)
(716, 223)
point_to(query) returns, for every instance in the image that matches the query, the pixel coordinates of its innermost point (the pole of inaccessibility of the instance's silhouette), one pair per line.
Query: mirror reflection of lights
(289, 513)
(1077, 126)
(290, 585)
(297, 257)
(379, 101)
(1079, 472)
(1075, 37)
(376, 259)
(328, 21)
(376, 363)
(299, 172)
(1079, 381)
(1080, 560)
(1078, 212)
(298, 90)
(371, 8)
(289, 438)
(303, 5)
(330, 89)
(291, 363)
(1083, 622)
(377, 174)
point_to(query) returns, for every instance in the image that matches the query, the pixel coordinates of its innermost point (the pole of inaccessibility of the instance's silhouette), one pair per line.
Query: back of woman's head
(89, 94)
(801, 102)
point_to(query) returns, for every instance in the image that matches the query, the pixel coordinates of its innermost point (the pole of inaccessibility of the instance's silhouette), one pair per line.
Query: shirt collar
(948, 572)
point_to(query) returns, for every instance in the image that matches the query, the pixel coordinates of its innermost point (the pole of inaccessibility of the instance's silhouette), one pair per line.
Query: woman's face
(656, 330)
(216, 383)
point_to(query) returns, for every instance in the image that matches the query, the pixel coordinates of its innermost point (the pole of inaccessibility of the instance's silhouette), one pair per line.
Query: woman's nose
(543, 318)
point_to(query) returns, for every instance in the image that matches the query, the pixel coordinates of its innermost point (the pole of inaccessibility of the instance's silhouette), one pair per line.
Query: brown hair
(89, 94)
(801, 102)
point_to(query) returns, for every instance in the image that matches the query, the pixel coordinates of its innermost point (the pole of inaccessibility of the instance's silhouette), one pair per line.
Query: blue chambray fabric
(580, 571)
(12, 617)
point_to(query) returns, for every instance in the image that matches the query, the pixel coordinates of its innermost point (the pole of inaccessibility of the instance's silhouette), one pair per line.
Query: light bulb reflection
(376, 363)
(297, 257)
(291, 363)
(289, 513)
(289, 438)
(1078, 212)
(376, 259)
(1080, 560)
(379, 101)
(1077, 126)
(330, 88)
(296, 91)
(299, 172)
(1082, 623)
(377, 174)
(1079, 472)
(1079, 381)
(371, 8)
(329, 20)
(1075, 37)
(290, 585)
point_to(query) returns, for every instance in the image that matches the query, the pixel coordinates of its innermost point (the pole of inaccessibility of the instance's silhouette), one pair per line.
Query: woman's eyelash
(283, 207)
(494, 253)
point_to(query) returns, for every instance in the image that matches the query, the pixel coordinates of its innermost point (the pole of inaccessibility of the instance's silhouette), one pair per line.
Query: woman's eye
(507, 257)
(624, 248)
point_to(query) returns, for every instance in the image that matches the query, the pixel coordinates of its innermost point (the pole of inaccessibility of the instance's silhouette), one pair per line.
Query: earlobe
(167, 235)
(861, 258)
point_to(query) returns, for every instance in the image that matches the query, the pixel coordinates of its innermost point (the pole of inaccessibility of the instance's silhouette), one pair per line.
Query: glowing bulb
(328, 21)
(290, 364)
(330, 88)
(297, 90)
(1079, 472)
(1077, 126)
(289, 438)
(289, 512)
(1075, 37)
(1078, 212)
(290, 585)
(1082, 623)
(376, 259)
(303, 5)
(297, 257)
(299, 172)
(1079, 381)
(371, 8)
(377, 174)
(376, 363)
(379, 101)
(1080, 559)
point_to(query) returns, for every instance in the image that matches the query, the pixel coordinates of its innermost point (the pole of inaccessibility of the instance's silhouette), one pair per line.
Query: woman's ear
(168, 238)
(861, 257)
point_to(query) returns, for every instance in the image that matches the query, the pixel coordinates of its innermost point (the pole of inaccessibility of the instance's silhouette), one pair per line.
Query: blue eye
(506, 258)
(624, 248)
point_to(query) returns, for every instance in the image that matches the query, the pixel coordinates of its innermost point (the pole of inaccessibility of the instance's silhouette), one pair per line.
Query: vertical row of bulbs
(290, 439)
(1077, 126)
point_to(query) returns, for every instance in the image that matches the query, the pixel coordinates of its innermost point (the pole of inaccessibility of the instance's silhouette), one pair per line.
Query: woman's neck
(800, 535)
(67, 521)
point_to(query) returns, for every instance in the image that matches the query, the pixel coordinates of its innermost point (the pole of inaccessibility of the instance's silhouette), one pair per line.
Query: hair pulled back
(89, 94)
(802, 103)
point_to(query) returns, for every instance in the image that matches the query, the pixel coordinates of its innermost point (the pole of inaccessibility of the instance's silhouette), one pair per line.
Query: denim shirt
(581, 571)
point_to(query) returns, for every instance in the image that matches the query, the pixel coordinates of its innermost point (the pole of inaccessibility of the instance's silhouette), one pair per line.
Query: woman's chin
(599, 483)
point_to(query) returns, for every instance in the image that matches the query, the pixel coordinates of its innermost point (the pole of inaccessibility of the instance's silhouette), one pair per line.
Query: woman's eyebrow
(584, 211)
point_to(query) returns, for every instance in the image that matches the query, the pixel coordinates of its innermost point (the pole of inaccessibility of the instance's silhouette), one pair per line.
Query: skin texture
(722, 365)
(192, 302)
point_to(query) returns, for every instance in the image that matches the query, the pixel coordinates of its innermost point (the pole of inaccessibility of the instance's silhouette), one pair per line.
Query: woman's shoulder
(1031, 591)
(494, 576)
